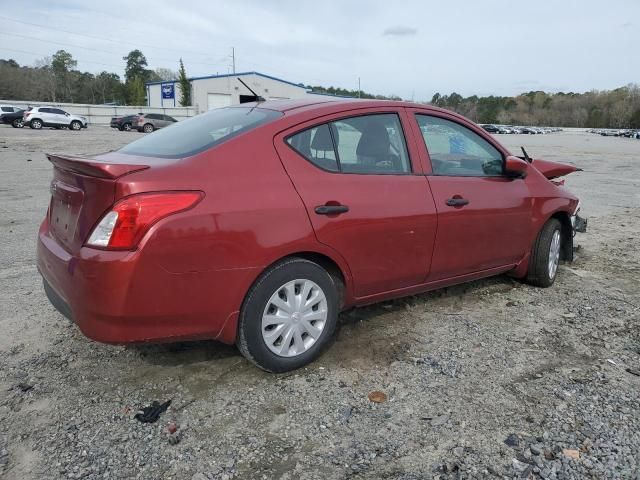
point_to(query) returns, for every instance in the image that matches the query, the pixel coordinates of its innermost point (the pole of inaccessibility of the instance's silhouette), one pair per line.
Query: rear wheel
(148, 128)
(288, 316)
(126, 127)
(36, 124)
(75, 125)
(17, 123)
(545, 256)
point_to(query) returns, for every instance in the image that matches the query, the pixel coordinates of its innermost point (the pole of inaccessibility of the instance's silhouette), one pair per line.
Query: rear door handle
(457, 202)
(331, 209)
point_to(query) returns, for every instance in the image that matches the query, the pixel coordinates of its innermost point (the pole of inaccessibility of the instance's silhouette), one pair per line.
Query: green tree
(135, 92)
(136, 66)
(185, 86)
(62, 62)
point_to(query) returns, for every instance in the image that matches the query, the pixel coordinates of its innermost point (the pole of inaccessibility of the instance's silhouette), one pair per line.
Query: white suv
(39, 117)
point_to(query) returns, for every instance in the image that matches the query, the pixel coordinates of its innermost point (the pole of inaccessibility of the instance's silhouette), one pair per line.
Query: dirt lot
(488, 379)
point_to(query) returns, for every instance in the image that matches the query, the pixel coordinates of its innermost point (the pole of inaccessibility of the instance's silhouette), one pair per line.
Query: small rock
(440, 420)
(377, 397)
(571, 453)
(512, 441)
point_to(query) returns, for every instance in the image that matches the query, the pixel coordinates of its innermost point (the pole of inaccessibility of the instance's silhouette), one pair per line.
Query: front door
(484, 217)
(365, 197)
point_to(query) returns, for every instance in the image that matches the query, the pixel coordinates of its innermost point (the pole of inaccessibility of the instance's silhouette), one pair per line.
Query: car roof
(309, 107)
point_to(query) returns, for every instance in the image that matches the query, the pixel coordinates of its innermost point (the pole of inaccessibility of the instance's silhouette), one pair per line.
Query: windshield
(199, 133)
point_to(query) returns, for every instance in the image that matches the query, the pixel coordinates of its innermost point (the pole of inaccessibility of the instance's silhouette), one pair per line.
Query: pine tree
(135, 92)
(185, 86)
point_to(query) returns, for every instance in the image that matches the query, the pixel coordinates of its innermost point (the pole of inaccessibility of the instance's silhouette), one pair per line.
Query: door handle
(331, 209)
(457, 202)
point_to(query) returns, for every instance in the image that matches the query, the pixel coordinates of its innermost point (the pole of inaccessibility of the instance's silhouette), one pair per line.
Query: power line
(96, 37)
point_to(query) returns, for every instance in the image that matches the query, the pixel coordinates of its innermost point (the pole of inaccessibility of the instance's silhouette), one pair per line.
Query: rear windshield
(194, 135)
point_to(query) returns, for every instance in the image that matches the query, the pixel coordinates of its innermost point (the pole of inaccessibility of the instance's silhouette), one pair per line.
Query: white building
(216, 91)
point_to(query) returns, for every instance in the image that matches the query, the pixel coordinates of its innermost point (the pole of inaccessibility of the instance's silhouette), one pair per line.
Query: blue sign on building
(168, 90)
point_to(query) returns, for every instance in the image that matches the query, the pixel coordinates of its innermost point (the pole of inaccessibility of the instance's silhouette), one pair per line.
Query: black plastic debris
(152, 413)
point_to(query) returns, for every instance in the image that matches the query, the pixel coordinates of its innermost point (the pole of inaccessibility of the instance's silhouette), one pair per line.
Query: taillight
(130, 218)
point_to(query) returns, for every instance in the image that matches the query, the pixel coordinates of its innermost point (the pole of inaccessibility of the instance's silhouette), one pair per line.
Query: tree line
(56, 79)
(619, 108)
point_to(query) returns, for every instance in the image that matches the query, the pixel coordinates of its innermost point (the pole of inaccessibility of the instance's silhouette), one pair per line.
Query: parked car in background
(148, 122)
(124, 123)
(15, 119)
(491, 128)
(6, 109)
(38, 117)
(257, 224)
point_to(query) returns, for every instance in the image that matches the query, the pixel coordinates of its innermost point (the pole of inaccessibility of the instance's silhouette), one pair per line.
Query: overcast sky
(408, 48)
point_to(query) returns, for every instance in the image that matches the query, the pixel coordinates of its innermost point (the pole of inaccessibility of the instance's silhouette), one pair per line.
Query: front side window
(200, 133)
(458, 151)
(367, 144)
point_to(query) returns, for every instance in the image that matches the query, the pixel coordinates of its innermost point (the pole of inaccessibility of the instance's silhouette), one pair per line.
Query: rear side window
(200, 133)
(7, 109)
(367, 144)
(316, 145)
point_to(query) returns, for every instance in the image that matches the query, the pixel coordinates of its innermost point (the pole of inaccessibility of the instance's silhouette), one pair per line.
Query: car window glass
(45, 110)
(316, 145)
(456, 150)
(7, 109)
(200, 133)
(371, 144)
(57, 111)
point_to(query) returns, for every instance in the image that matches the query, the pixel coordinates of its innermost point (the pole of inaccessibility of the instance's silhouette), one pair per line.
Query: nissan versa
(258, 224)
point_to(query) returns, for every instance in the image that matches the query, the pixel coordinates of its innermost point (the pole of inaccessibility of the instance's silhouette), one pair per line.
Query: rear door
(365, 194)
(484, 217)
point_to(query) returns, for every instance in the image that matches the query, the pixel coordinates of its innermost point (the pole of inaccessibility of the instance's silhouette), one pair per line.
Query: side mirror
(515, 167)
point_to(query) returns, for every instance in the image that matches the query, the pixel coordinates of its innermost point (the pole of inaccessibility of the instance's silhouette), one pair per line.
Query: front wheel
(75, 125)
(288, 316)
(545, 255)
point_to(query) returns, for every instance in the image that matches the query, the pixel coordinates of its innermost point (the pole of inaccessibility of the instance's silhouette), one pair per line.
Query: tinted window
(58, 111)
(46, 110)
(169, 119)
(371, 144)
(7, 109)
(458, 151)
(152, 116)
(199, 133)
(316, 145)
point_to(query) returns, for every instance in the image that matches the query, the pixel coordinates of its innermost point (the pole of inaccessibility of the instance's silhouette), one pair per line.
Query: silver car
(39, 117)
(149, 122)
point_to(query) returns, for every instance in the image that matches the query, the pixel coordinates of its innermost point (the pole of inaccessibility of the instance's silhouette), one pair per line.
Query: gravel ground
(491, 379)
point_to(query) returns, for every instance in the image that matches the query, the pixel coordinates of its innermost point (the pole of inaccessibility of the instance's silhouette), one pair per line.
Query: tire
(75, 125)
(17, 123)
(126, 127)
(545, 254)
(290, 276)
(36, 124)
(147, 128)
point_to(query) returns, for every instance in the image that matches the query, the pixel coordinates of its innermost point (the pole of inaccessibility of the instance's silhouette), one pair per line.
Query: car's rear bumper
(125, 297)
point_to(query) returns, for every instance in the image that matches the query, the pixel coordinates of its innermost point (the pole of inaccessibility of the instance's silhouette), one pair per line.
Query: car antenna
(258, 97)
(526, 155)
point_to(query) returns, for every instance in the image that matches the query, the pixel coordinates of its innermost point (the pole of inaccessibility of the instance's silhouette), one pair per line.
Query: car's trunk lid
(82, 190)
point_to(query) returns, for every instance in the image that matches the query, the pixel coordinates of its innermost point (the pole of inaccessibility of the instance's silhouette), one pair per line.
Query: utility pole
(358, 87)
(233, 59)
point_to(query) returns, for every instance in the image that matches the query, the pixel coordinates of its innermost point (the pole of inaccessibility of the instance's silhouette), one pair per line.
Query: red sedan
(258, 224)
